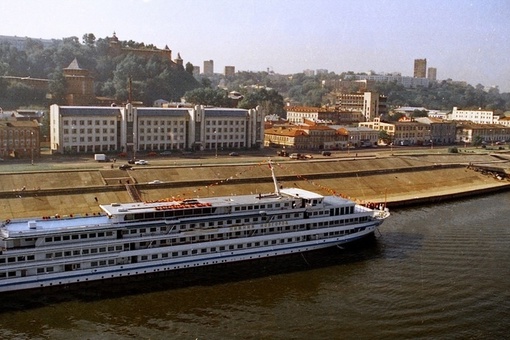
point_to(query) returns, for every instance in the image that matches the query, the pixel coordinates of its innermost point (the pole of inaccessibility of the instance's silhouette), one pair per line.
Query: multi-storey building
(441, 131)
(377, 125)
(196, 71)
(85, 129)
(475, 116)
(208, 67)
(19, 139)
(301, 137)
(432, 73)
(469, 132)
(359, 136)
(369, 104)
(411, 133)
(407, 82)
(420, 68)
(230, 71)
(504, 121)
(298, 115)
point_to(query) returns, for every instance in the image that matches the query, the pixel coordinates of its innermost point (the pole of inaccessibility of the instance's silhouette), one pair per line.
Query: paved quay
(395, 179)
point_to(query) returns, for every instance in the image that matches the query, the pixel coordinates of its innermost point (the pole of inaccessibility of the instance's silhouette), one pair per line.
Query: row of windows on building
(143, 122)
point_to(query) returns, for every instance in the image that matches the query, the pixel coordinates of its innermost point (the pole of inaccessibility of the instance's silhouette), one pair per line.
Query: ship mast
(276, 188)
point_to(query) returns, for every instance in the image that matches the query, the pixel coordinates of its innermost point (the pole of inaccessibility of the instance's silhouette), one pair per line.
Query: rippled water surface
(434, 272)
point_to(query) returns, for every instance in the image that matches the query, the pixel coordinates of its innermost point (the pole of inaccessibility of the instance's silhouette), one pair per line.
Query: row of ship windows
(184, 227)
(176, 254)
(182, 240)
(78, 236)
(60, 254)
(206, 211)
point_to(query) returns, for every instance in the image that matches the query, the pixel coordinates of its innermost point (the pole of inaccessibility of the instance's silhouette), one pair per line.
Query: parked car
(233, 154)
(131, 161)
(141, 162)
(165, 153)
(125, 167)
(326, 153)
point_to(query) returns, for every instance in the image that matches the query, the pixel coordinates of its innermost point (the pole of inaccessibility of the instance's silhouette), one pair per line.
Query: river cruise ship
(135, 239)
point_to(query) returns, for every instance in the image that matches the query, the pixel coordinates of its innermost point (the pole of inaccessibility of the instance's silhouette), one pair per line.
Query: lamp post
(134, 146)
(215, 144)
(32, 146)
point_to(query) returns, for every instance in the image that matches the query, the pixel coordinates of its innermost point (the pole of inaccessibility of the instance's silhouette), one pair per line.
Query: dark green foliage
(270, 101)
(151, 79)
(453, 149)
(208, 96)
(156, 78)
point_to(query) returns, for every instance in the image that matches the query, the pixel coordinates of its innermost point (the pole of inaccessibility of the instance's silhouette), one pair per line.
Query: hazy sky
(464, 40)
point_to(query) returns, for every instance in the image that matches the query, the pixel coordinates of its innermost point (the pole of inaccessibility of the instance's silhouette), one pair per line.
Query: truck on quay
(101, 157)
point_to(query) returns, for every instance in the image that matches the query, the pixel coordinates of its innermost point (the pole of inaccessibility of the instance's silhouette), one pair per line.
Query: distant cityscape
(88, 124)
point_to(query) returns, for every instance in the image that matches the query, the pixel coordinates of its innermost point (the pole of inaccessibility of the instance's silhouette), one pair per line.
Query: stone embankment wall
(396, 181)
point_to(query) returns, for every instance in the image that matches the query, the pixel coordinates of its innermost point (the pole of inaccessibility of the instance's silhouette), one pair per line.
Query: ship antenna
(276, 188)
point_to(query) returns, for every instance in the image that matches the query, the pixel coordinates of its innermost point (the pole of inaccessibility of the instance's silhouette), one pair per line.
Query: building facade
(79, 85)
(331, 115)
(442, 132)
(468, 132)
(407, 82)
(230, 71)
(420, 68)
(85, 129)
(208, 67)
(475, 116)
(19, 139)
(432, 73)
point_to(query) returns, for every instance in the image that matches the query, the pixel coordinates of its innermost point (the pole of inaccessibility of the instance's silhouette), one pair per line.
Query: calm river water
(435, 272)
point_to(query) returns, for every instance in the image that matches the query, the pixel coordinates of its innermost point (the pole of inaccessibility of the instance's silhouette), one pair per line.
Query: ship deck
(24, 226)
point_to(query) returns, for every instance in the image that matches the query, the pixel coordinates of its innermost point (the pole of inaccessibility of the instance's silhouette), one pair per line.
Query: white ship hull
(136, 239)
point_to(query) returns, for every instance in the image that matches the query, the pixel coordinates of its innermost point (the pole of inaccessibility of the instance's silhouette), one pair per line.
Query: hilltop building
(20, 43)
(230, 71)
(432, 73)
(420, 68)
(407, 82)
(116, 48)
(209, 67)
(79, 85)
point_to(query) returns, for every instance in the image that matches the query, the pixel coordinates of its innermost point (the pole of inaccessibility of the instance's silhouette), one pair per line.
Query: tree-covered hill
(152, 78)
(158, 78)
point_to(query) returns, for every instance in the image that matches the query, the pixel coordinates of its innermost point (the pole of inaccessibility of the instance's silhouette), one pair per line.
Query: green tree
(385, 137)
(89, 39)
(271, 102)
(207, 96)
(57, 87)
(189, 68)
